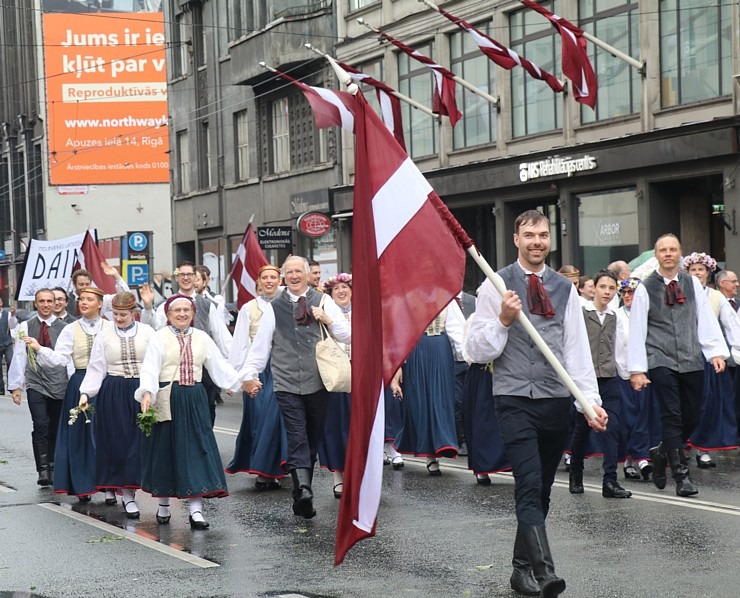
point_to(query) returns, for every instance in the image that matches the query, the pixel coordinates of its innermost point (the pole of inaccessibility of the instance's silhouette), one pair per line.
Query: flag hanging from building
(247, 263)
(390, 105)
(330, 108)
(576, 65)
(503, 56)
(443, 100)
(400, 239)
(89, 258)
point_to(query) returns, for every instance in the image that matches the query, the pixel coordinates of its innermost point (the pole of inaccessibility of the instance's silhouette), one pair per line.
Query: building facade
(31, 206)
(658, 154)
(243, 140)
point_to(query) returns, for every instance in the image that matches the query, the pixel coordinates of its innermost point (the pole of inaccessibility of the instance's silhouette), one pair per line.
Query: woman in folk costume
(181, 457)
(261, 446)
(113, 376)
(333, 447)
(717, 429)
(486, 453)
(640, 423)
(428, 378)
(74, 471)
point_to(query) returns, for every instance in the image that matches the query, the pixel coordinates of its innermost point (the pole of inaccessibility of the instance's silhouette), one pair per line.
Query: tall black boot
(540, 558)
(302, 493)
(40, 453)
(521, 579)
(658, 456)
(680, 469)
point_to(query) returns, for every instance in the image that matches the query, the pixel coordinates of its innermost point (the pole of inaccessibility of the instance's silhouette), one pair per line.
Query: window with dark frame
(416, 81)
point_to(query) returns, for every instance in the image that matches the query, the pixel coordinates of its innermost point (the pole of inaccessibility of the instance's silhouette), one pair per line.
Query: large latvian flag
(91, 259)
(406, 267)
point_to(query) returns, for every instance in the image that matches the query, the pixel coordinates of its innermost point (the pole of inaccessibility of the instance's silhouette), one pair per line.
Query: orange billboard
(106, 95)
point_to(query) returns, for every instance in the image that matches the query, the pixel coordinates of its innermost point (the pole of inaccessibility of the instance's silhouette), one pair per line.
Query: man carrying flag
(531, 401)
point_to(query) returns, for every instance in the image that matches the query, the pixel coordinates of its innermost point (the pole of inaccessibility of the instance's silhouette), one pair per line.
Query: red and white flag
(247, 263)
(576, 65)
(400, 238)
(90, 258)
(443, 100)
(390, 105)
(330, 108)
(503, 56)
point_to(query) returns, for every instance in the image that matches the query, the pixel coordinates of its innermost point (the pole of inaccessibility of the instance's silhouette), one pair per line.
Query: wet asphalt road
(437, 537)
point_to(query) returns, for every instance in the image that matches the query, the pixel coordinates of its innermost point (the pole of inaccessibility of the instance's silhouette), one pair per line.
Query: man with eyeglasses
(207, 319)
(727, 282)
(60, 306)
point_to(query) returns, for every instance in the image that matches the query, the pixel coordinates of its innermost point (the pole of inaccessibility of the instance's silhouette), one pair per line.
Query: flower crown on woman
(332, 280)
(629, 284)
(700, 258)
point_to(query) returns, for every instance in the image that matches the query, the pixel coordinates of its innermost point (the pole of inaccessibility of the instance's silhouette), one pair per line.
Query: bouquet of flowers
(30, 353)
(85, 409)
(147, 420)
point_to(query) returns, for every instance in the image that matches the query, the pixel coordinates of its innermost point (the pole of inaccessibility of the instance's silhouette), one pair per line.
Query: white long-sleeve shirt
(259, 352)
(487, 338)
(708, 331)
(217, 329)
(219, 369)
(17, 369)
(241, 342)
(61, 354)
(454, 326)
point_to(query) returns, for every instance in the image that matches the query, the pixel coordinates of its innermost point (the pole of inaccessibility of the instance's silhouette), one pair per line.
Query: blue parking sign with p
(138, 274)
(137, 241)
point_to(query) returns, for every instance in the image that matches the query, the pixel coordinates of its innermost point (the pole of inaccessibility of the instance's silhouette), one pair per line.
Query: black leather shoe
(131, 514)
(198, 524)
(433, 469)
(86, 498)
(163, 519)
(708, 464)
(630, 473)
(575, 482)
(645, 471)
(483, 479)
(614, 490)
(523, 583)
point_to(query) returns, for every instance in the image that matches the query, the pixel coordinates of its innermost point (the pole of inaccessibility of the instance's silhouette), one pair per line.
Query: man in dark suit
(6, 342)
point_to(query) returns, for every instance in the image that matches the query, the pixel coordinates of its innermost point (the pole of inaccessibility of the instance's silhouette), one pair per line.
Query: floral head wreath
(332, 280)
(700, 258)
(629, 284)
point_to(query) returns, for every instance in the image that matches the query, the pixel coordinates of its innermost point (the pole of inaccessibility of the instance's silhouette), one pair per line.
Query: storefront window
(212, 256)
(607, 229)
(695, 50)
(324, 251)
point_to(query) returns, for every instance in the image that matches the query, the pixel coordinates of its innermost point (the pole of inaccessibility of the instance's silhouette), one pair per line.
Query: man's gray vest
(49, 381)
(293, 358)
(202, 310)
(672, 333)
(521, 369)
(5, 339)
(601, 339)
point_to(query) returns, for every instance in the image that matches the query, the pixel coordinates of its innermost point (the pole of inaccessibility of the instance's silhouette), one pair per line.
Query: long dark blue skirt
(717, 429)
(333, 447)
(117, 436)
(641, 428)
(261, 446)
(74, 456)
(393, 416)
(181, 458)
(429, 394)
(485, 447)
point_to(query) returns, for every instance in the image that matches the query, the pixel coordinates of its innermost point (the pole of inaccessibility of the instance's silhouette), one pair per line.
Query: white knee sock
(164, 507)
(129, 500)
(392, 452)
(338, 477)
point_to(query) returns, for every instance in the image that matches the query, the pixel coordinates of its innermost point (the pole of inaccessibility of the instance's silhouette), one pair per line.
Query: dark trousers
(303, 417)
(45, 413)
(212, 392)
(680, 397)
(534, 432)
(736, 387)
(611, 401)
(7, 354)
